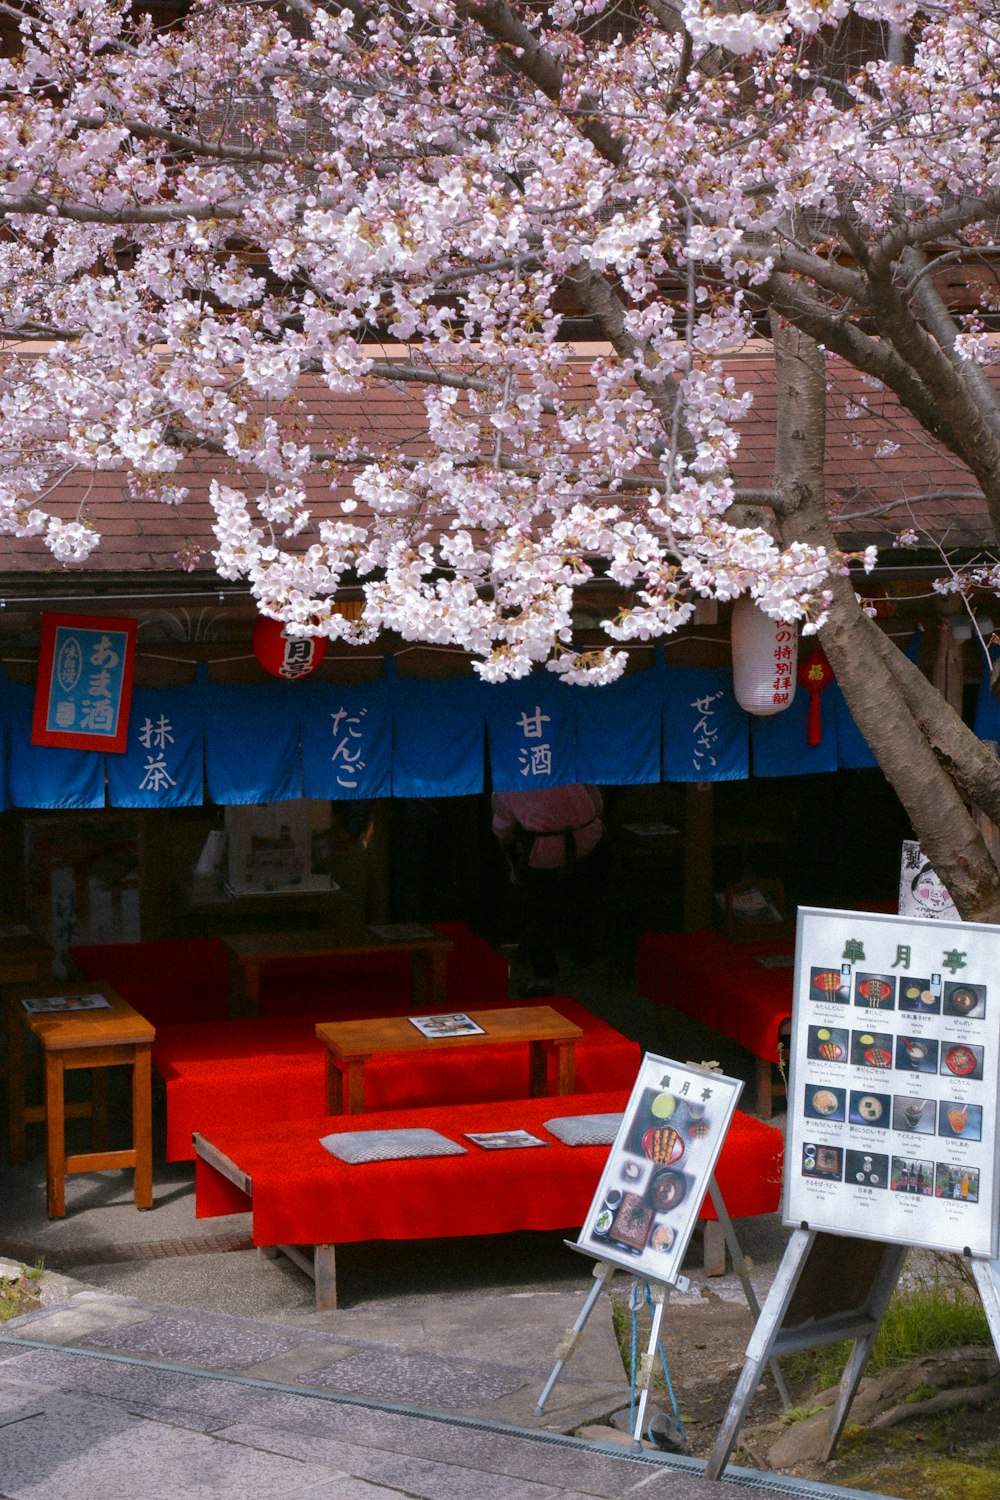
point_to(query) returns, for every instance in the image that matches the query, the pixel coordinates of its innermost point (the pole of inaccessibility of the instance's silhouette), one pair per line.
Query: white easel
(659, 1292)
(812, 1303)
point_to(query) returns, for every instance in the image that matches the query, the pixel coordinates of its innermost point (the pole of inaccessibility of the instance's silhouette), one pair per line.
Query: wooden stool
(101, 1038)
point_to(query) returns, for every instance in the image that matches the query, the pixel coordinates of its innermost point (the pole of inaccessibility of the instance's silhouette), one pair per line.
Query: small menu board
(56, 1004)
(503, 1140)
(402, 932)
(892, 1118)
(659, 1168)
(456, 1024)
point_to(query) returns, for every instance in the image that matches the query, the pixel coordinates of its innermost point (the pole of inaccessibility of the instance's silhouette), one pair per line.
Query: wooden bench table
(305, 1201)
(249, 952)
(101, 1038)
(351, 1044)
(739, 987)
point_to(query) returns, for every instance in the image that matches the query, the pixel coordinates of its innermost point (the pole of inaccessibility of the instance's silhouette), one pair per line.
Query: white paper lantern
(765, 659)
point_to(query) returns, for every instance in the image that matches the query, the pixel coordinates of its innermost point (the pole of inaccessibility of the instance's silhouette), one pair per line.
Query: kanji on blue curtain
(346, 740)
(530, 728)
(163, 764)
(705, 734)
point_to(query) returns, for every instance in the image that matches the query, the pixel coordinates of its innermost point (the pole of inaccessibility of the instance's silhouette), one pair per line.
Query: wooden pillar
(698, 841)
(948, 671)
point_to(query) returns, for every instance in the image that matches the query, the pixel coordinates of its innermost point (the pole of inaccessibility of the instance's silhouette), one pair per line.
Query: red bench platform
(722, 982)
(181, 980)
(301, 1196)
(272, 1069)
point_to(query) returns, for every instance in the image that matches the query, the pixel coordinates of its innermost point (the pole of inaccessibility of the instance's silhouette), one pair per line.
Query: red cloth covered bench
(180, 980)
(300, 1195)
(270, 1069)
(719, 981)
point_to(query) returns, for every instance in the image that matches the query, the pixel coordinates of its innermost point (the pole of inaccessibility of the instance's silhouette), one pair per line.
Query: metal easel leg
(660, 1293)
(987, 1277)
(603, 1272)
(742, 1268)
(758, 1353)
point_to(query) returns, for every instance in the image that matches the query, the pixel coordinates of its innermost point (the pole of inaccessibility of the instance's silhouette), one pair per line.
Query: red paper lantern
(765, 653)
(815, 675)
(283, 655)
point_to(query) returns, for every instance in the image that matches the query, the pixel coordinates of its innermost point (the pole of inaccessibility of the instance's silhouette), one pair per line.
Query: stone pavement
(172, 1362)
(106, 1398)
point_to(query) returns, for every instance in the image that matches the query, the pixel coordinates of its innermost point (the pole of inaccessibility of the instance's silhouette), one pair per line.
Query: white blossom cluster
(210, 220)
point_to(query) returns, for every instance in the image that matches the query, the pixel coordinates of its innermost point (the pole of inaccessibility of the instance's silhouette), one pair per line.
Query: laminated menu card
(455, 1024)
(893, 1088)
(58, 1003)
(503, 1140)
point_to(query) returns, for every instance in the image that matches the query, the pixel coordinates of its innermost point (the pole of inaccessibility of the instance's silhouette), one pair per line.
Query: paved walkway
(175, 1363)
(106, 1398)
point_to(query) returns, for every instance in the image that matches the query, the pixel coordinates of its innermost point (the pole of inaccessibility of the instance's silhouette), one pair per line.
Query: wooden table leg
(565, 1067)
(539, 1084)
(334, 1088)
(16, 1144)
(355, 1086)
(55, 1135)
(764, 1101)
(142, 1126)
(325, 1277)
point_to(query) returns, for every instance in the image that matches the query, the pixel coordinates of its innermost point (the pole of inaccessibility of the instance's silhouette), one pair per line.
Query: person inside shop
(553, 838)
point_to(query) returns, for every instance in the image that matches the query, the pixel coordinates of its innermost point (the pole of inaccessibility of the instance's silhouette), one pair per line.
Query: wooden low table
(248, 952)
(350, 1044)
(101, 1038)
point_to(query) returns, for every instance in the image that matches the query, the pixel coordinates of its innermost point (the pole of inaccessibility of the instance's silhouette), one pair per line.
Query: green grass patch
(20, 1294)
(938, 1314)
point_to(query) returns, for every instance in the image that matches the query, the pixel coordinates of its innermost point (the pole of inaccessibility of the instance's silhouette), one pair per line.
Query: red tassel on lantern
(815, 674)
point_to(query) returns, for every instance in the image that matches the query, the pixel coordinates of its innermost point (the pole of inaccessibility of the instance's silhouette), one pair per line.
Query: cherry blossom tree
(211, 215)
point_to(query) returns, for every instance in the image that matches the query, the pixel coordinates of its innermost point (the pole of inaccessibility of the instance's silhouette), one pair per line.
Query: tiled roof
(884, 475)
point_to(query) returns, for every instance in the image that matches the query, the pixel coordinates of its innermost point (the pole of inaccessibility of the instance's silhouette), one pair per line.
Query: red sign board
(84, 687)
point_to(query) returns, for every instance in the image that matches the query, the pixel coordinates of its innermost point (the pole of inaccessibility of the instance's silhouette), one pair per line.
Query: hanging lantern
(283, 655)
(765, 653)
(815, 675)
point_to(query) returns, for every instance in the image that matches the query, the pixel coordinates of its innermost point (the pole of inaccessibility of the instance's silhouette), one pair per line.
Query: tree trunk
(883, 712)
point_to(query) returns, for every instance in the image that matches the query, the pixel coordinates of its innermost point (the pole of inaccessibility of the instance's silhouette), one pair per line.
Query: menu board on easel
(892, 1119)
(659, 1168)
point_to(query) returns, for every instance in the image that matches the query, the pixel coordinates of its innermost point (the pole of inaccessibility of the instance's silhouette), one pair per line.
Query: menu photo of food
(876, 991)
(832, 986)
(660, 1167)
(921, 996)
(827, 1044)
(962, 1061)
(823, 1103)
(871, 1049)
(965, 1000)
(869, 1109)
